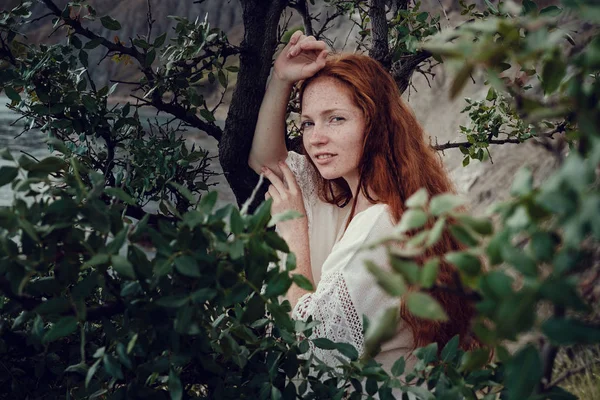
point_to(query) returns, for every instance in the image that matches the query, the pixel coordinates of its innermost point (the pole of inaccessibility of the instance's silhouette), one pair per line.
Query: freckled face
(333, 128)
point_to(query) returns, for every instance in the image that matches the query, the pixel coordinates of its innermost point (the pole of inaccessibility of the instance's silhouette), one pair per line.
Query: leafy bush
(101, 299)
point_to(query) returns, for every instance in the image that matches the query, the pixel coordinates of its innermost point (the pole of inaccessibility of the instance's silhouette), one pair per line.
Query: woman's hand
(300, 59)
(286, 195)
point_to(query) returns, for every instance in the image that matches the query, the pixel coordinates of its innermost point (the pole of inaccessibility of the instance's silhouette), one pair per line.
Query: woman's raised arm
(301, 58)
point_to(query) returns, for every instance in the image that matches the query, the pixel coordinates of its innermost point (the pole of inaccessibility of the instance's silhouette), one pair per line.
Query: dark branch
(379, 32)
(559, 129)
(175, 110)
(403, 69)
(179, 112)
(302, 9)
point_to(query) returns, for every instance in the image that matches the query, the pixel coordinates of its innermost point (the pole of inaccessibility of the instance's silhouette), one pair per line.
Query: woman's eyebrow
(328, 111)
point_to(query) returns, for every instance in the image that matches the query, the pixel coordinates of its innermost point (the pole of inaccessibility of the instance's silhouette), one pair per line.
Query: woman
(364, 155)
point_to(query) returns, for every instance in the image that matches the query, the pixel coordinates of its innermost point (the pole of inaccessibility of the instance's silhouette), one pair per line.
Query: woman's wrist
(280, 83)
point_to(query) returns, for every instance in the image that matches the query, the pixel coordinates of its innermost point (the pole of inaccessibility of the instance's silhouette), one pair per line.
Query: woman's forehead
(326, 93)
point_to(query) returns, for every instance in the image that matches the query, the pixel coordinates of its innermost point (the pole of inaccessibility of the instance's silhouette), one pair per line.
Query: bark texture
(261, 18)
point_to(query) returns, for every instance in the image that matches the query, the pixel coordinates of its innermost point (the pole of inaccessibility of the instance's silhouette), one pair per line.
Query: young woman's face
(333, 128)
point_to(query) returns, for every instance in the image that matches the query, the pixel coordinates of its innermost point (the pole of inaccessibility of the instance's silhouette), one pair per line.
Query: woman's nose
(317, 135)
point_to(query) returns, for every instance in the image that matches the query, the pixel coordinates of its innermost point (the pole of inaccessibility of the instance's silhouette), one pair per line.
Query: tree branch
(379, 33)
(403, 69)
(175, 110)
(302, 9)
(567, 374)
(438, 147)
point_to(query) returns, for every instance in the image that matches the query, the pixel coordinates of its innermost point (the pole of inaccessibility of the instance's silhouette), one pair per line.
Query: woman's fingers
(295, 37)
(289, 177)
(276, 182)
(306, 43)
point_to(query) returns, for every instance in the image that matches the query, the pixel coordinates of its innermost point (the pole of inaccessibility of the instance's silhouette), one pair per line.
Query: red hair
(395, 163)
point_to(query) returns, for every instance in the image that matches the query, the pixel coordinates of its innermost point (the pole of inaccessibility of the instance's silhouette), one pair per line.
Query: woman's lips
(323, 161)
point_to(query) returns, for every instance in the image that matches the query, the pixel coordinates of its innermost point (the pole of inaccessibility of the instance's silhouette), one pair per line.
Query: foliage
(101, 299)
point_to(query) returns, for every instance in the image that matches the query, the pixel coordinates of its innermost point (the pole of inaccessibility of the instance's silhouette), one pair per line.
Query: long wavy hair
(396, 162)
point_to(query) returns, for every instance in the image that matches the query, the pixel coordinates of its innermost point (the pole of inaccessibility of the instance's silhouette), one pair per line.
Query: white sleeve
(347, 290)
(305, 176)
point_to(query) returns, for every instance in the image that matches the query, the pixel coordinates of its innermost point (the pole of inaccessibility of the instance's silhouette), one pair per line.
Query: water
(33, 142)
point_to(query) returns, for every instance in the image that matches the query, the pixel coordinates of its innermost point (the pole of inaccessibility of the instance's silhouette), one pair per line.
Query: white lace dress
(345, 290)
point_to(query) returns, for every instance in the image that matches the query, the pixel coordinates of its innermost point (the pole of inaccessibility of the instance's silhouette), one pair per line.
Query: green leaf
(436, 232)
(465, 262)
(302, 282)
(408, 269)
(7, 174)
(110, 23)
(391, 282)
(474, 360)
(569, 331)
(529, 7)
(5, 155)
(208, 201)
(207, 115)
(91, 372)
(92, 44)
(236, 222)
(185, 192)
(29, 229)
(222, 78)
(399, 366)
(150, 57)
(463, 235)
(430, 272)
(119, 194)
(64, 327)
(83, 58)
(424, 306)
(122, 266)
(460, 80)
(523, 373)
(324, 343)
(284, 216)
(12, 94)
(427, 353)
(444, 203)
(160, 40)
(380, 330)
(112, 366)
(523, 183)
(450, 350)
(483, 226)
(551, 11)
(49, 165)
(98, 259)
(175, 386)
(418, 199)
(347, 350)
(411, 219)
(553, 73)
(188, 266)
(278, 285)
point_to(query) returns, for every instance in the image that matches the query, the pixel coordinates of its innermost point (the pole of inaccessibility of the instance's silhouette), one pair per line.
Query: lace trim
(332, 305)
(307, 182)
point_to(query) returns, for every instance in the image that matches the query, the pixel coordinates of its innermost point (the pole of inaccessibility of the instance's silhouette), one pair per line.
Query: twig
(150, 22)
(567, 374)
(302, 9)
(39, 18)
(446, 15)
(495, 141)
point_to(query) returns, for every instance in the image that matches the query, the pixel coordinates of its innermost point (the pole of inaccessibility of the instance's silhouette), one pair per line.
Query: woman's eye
(305, 124)
(337, 119)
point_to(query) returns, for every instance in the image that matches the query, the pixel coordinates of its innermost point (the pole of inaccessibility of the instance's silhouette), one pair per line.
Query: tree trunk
(261, 18)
